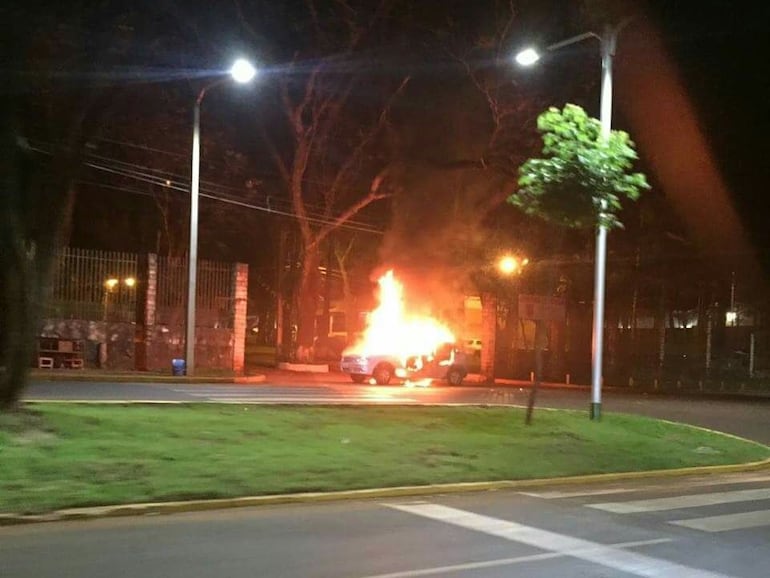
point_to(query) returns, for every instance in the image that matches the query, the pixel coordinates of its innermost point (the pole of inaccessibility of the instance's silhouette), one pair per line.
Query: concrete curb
(304, 367)
(163, 508)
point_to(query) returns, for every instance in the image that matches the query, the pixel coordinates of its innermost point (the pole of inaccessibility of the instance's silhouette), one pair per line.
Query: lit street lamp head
(243, 71)
(510, 265)
(527, 57)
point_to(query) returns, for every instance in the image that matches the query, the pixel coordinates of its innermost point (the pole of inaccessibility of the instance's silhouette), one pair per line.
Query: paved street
(694, 527)
(703, 526)
(744, 417)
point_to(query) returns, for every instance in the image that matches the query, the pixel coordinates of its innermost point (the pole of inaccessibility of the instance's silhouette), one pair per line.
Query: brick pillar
(240, 299)
(146, 298)
(488, 336)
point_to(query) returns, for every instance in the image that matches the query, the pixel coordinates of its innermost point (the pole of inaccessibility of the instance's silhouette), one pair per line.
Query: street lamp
(510, 265)
(527, 57)
(242, 71)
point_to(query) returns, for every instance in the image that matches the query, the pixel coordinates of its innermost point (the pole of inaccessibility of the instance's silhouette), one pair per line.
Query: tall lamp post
(528, 57)
(241, 72)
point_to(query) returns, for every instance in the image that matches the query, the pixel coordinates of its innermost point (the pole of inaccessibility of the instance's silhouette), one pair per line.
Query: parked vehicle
(448, 363)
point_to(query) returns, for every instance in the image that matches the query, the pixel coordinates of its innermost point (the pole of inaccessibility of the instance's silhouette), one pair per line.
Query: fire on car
(403, 345)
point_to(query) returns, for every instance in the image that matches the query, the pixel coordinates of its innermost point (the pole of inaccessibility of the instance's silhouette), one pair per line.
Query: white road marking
(314, 399)
(300, 395)
(679, 502)
(505, 561)
(618, 559)
(554, 495)
(727, 522)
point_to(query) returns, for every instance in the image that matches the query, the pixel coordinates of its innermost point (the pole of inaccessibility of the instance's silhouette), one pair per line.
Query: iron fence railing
(94, 285)
(214, 288)
(99, 285)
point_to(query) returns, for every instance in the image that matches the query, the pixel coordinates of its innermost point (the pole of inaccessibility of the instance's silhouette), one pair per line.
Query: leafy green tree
(582, 178)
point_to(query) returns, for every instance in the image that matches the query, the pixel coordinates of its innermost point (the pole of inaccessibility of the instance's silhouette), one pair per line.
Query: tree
(329, 150)
(582, 178)
(36, 187)
(66, 68)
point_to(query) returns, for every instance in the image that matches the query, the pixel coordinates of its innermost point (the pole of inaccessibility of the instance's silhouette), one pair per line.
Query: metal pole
(608, 39)
(192, 255)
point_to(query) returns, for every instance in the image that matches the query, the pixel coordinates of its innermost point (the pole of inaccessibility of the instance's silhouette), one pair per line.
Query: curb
(165, 508)
(619, 389)
(108, 378)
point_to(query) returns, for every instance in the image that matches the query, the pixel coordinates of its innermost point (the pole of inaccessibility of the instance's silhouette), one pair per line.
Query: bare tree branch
(313, 9)
(278, 160)
(367, 138)
(244, 21)
(299, 168)
(349, 213)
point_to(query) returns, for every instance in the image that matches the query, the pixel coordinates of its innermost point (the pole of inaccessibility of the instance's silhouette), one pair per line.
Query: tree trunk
(557, 346)
(23, 282)
(541, 339)
(307, 304)
(325, 326)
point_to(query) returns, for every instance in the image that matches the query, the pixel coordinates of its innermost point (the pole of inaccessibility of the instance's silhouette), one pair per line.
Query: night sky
(720, 48)
(716, 46)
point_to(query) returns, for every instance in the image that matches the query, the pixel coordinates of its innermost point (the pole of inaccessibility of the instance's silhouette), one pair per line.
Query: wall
(213, 347)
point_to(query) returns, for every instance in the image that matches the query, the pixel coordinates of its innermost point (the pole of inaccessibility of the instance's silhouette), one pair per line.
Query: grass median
(55, 456)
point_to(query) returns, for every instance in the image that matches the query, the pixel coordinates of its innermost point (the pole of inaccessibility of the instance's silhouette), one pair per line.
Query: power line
(160, 178)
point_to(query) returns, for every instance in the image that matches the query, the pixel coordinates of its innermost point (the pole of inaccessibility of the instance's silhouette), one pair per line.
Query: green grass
(67, 455)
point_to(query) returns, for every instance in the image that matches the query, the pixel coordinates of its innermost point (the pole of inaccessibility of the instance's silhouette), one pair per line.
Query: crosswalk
(616, 556)
(281, 395)
(579, 533)
(697, 504)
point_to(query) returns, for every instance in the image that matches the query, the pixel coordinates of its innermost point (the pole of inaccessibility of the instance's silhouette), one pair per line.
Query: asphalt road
(748, 418)
(694, 527)
(682, 527)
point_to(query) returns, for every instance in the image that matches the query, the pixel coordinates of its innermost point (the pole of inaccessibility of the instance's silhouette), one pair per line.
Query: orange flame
(391, 330)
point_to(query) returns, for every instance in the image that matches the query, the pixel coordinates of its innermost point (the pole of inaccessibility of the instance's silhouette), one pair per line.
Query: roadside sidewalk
(94, 376)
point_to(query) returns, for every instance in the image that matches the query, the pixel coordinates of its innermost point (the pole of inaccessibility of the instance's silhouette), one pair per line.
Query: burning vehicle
(396, 344)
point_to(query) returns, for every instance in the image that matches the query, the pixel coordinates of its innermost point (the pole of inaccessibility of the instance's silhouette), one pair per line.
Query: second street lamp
(241, 72)
(527, 57)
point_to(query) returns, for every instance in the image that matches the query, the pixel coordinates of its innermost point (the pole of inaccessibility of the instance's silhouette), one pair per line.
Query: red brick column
(240, 300)
(488, 336)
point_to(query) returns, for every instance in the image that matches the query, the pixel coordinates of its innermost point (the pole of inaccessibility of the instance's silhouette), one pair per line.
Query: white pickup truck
(448, 363)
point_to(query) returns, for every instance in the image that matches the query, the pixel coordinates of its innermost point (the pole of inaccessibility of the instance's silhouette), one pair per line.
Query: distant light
(527, 57)
(242, 71)
(111, 283)
(508, 265)
(730, 318)
(129, 281)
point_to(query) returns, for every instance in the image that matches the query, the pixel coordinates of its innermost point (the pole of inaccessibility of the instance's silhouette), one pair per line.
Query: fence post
(752, 345)
(709, 331)
(488, 336)
(240, 300)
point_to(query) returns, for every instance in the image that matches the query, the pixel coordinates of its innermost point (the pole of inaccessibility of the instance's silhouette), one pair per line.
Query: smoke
(437, 240)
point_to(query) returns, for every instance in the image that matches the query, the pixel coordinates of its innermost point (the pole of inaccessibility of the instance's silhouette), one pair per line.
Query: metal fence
(213, 292)
(102, 286)
(94, 285)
